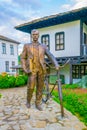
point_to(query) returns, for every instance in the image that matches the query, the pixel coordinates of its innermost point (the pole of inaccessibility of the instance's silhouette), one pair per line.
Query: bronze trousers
(35, 79)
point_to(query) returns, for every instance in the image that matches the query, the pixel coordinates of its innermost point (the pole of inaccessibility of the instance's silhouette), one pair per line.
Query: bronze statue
(33, 63)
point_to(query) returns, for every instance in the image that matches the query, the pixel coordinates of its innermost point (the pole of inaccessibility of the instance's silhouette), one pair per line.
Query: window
(7, 66)
(45, 40)
(75, 71)
(78, 71)
(3, 48)
(11, 49)
(13, 64)
(59, 41)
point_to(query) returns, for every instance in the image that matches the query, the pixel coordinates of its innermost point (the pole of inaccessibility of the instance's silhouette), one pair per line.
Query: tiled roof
(77, 14)
(8, 39)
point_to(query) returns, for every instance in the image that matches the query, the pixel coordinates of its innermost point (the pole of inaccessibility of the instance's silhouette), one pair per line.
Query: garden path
(15, 116)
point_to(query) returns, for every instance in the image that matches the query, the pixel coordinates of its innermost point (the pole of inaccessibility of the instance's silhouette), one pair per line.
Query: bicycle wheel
(46, 93)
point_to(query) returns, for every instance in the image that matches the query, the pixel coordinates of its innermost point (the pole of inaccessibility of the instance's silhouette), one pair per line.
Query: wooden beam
(71, 79)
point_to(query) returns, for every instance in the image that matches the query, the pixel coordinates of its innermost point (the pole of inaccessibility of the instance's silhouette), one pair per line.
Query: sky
(16, 12)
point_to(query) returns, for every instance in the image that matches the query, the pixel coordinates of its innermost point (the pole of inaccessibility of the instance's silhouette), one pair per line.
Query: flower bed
(75, 100)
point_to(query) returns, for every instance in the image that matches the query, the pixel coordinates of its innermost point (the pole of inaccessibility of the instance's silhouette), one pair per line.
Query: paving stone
(24, 117)
(4, 127)
(54, 126)
(2, 123)
(38, 129)
(16, 127)
(24, 125)
(16, 111)
(37, 124)
(15, 116)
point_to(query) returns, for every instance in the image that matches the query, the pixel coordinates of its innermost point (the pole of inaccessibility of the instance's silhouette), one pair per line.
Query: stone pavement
(15, 116)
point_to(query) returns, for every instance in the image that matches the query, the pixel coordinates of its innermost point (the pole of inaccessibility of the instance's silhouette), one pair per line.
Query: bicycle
(47, 93)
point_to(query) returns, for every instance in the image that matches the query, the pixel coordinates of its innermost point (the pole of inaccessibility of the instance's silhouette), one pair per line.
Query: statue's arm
(52, 58)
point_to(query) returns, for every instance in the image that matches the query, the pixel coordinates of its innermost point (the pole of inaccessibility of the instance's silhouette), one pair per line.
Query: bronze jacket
(27, 57)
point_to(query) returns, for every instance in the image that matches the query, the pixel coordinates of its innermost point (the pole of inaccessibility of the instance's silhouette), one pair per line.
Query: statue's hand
(57, 68)
(27, 71)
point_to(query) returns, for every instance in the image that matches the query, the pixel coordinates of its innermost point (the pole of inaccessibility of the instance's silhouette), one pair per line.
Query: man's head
(35, 35)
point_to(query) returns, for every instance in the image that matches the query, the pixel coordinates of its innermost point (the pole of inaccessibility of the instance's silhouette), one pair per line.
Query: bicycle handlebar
(65, 64)
(60, 67)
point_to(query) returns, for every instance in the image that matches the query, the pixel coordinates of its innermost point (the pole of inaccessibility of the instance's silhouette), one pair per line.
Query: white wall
(8, 50)
(66, 72)
(7, 56)
(2, 63)
(72, 38)
(76, 80)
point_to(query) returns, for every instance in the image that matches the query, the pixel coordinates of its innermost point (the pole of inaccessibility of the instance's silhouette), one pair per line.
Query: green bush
(70, 86)
(11, 81)
(21, 80)
(7, 81)
(25, 77)
(4, 82)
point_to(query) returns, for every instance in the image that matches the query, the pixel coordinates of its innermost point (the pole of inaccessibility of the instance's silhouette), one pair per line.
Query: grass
(74, 100)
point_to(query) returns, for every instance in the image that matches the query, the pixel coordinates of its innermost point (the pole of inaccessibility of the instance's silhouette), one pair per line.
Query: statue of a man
(33, 63)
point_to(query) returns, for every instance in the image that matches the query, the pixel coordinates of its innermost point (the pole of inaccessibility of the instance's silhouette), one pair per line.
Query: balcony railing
(84, 49)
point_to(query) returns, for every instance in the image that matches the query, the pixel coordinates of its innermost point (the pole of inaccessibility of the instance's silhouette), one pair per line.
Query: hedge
(7, 81)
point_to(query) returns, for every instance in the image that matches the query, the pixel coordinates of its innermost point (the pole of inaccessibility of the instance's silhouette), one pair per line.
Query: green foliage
(7, 81)
(71, 86)
(4, 81)
(21, 80)
(25, 77)
(74, 102)
(20, 72)
(11, 81)
(53, 79)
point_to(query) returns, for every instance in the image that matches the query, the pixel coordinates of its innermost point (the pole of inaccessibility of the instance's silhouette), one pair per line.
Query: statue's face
(35, 36)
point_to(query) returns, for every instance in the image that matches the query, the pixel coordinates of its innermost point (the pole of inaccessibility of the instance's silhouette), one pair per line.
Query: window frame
(11, 49)
(3, 48)
(78, 73)
(46, 35)
(13, 64)
(63, 44)
(7, 66)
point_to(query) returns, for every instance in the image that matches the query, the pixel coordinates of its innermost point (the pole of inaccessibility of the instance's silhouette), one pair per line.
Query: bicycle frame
(60, 94)
(58, 82)
(48, 93)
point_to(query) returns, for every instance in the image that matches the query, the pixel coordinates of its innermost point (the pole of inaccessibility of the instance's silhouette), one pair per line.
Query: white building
(65, 34)
(8, 54)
